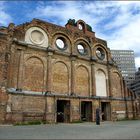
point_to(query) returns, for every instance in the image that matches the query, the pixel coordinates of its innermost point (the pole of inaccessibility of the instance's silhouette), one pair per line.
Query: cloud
(5, 18)
(115, 21)
(137, 62)
(127, 38)
(61, 11)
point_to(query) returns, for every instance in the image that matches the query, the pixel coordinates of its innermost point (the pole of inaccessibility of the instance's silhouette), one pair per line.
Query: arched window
(100, 83)
(116, 85)
(82, 81)
(33, 74)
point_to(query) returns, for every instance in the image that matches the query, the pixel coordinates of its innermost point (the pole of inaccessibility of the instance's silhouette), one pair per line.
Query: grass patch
(30, 123)
(127, 119)
(77, 121)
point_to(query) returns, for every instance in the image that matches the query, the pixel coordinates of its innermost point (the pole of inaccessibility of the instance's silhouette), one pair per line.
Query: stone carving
(37, 37)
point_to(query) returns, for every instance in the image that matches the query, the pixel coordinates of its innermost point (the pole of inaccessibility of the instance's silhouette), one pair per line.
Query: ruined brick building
(58, 74)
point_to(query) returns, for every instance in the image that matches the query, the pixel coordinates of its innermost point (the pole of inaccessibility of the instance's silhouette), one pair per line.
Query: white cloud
(61, 11)
(5, 18)
(116, 17)
(127, 38)
(137, 62)
(124, 14)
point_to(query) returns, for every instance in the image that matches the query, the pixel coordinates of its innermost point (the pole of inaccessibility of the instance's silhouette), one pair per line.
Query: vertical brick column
(73, 59)
(20, 68)
(49, 72)
(93, 80)
(125, 98)
(122, 88)
(10, 67)
(109, 81)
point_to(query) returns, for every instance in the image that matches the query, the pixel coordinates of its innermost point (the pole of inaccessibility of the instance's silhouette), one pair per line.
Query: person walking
(97, 116)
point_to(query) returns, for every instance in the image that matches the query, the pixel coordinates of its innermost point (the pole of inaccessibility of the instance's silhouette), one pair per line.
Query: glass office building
(125, 61)
(135, 86)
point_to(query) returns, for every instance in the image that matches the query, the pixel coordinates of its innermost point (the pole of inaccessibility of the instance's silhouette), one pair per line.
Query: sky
(118, 22)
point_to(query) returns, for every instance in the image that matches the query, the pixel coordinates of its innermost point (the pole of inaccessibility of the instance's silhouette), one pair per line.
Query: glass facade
(125, 61)
(135, 86)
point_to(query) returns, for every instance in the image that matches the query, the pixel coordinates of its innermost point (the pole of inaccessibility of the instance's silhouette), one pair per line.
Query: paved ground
(107, 130)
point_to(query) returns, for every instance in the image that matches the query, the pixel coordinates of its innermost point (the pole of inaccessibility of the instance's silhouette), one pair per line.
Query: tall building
(59, 74)
(135, 85)
(125, 61)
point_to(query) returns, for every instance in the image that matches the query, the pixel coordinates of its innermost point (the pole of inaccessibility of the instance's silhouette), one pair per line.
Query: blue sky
(118, 22)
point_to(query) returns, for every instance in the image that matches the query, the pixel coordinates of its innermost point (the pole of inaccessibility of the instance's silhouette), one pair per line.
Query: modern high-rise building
(135, 86)
(125, 61)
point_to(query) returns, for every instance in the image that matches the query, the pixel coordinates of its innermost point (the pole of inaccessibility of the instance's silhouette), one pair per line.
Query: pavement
(106, 130)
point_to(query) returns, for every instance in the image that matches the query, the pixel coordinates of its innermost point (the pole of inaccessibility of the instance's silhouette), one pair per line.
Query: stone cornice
(48, 94)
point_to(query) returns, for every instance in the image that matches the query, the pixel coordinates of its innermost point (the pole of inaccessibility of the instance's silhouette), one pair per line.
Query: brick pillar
(93, 80)
(125, 98)
(122, 88)
(73, 59)
(109, 81)
(132, 103)
(49, 72)
(10, 67)
(20, 69)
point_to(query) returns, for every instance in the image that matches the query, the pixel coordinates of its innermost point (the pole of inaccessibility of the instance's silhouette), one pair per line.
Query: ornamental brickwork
(59, 74)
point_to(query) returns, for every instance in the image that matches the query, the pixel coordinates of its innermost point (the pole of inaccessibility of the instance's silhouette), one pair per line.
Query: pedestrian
(97, 116)
(102, 116)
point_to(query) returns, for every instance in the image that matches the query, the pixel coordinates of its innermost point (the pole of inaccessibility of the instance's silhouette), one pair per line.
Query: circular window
(80, 26)
(100, 53)
(60, 43)
(37, 37)
(81, 49)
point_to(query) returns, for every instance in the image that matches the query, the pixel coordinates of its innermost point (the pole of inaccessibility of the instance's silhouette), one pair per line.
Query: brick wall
(39, 69)
(4, 58)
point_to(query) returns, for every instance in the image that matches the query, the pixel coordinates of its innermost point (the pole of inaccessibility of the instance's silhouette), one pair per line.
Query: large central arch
(100, 83)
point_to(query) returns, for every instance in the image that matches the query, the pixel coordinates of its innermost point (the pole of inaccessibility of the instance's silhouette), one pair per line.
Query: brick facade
(39, 80)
